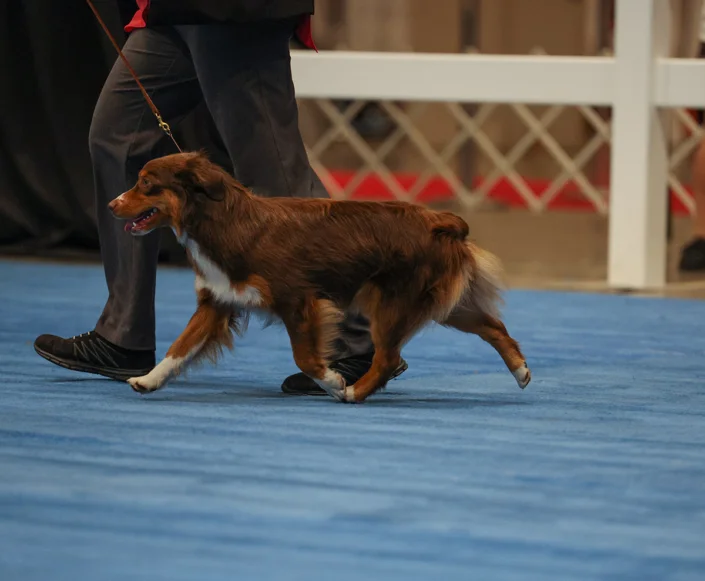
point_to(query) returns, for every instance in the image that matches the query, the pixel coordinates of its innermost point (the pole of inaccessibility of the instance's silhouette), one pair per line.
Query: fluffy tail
(484, 294)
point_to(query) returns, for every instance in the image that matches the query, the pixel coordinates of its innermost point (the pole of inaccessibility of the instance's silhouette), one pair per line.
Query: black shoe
(90, 353)
(693, 255)
(351, 368)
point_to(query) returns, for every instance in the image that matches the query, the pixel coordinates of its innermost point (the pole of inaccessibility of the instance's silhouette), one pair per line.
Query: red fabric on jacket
(138, 20)
(303, 30)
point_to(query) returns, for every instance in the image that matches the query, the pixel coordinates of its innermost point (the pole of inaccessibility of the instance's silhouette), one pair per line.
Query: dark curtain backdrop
(54, 58)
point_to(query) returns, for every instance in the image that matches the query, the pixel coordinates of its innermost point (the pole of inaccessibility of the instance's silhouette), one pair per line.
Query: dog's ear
(203, 177)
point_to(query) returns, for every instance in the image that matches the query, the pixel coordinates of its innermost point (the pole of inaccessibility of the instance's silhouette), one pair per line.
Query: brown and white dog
(306, 262)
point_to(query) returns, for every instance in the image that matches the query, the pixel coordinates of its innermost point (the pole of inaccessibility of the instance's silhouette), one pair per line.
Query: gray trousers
(243, 73)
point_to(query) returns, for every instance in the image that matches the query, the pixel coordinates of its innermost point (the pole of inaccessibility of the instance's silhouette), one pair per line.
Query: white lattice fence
(372, 155)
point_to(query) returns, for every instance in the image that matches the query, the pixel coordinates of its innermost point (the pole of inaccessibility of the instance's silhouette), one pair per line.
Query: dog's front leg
(209, 329)
(313, 330)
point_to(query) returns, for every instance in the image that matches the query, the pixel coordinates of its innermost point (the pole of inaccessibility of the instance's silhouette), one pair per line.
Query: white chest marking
(218, 283)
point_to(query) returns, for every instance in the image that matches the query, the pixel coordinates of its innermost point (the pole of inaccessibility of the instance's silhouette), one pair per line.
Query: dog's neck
(224, 230)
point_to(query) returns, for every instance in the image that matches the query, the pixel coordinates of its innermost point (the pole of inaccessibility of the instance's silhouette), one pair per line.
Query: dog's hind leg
(209, 330)
(477, 312)
(386, 360)
(312, 331)
(493, 331)
(392, 324)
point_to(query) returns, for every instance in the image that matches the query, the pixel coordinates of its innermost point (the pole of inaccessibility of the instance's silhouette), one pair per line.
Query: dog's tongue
(135, 222)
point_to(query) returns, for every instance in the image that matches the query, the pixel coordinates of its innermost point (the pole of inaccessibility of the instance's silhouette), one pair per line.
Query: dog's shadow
(215, 394)
(232, 394)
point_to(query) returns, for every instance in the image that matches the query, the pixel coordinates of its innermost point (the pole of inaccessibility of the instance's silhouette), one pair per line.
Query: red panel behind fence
(437, 189)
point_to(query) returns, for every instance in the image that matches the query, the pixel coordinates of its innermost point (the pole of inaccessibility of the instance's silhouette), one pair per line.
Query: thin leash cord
(162, 124)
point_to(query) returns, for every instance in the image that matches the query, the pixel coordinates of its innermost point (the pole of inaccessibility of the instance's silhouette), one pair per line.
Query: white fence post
(639, 158)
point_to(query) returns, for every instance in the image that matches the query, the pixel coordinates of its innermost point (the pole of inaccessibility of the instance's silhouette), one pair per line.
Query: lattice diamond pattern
(681, 155)
(470, 129)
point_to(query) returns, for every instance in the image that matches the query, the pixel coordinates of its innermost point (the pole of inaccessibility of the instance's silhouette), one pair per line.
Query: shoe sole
(117, 375)
(399, 370)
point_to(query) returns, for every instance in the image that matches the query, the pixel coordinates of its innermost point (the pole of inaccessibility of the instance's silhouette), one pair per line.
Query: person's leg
(124, 135)
(245, 76)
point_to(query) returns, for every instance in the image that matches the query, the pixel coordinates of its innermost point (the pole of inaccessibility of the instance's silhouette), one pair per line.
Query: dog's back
(339, 247)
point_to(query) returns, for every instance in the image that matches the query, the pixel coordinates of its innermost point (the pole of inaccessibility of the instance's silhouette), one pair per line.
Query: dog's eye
(144, 182)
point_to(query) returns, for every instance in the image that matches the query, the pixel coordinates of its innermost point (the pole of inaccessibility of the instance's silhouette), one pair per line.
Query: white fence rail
(638, 83)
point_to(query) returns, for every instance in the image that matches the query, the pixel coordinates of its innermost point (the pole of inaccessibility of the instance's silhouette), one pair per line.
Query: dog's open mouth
(141, 222)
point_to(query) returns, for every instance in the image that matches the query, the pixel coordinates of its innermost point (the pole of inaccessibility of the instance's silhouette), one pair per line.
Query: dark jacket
(164, 12)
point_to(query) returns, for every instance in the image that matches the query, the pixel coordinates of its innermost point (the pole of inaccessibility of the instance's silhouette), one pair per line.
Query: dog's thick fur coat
(308, 261)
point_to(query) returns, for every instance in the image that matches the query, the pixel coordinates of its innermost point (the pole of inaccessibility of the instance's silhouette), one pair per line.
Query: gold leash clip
(166, 129)
(164, 125)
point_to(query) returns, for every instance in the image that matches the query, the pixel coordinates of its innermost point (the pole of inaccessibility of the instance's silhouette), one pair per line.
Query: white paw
(522, 375)
(333, 384)
(349, 395)
(168, 368)
(144, 384)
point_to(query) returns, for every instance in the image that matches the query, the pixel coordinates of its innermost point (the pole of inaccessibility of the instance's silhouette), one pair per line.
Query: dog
(308, 262)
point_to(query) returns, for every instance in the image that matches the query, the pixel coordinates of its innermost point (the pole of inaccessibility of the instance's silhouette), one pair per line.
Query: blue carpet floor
(596, 471)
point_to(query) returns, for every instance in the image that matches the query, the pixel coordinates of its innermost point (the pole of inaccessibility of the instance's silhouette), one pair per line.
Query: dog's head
(168, 189)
